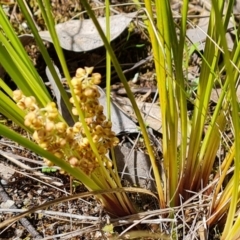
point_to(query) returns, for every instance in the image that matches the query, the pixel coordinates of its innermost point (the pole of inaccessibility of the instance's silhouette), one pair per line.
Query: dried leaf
(135, 167)
(198, 34)
(216, 93)
(82, 35)
(120, 121)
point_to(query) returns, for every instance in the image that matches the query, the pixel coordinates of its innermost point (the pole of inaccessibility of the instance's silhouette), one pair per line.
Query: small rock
(4, 182)
(7, 204)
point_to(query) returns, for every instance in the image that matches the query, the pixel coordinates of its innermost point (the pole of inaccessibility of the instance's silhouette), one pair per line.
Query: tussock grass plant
(189, 157)
(188, 166)
(34, 110)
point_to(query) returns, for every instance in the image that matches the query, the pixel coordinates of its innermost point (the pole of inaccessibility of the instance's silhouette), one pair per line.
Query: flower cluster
(71, 143)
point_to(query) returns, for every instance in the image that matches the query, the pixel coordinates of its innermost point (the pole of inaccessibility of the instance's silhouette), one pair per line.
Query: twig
(13, 159)
(29, 227)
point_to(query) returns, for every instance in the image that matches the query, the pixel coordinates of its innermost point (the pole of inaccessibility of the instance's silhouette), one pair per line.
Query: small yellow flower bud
(41, 134)
(115, 141)
(107, 124)
(98, 129)
(58, 154)
(80, 72)
(102, 150)
(96, 138)
(29, 101)
(77, 127)
(88, 70)
(109, 164)
(35, 136)
(88, 120)
(49, 126)
(85, 142)
(73, 161)
(52, 116)
(31, 116)
(71, 100)
(17, 95)
(38, 122)
(43, 145)
(76, 82)
(74, 111)
(62, 142)
(48, 162)
(70, 133)
(89, 92)
(100, 108)
(77, 91)
(96, 78)
(27, 122)
(61, 127)
(21, 105)
(51, 107)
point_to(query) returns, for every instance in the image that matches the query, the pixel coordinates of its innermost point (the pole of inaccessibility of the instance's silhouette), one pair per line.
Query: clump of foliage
(187, 167)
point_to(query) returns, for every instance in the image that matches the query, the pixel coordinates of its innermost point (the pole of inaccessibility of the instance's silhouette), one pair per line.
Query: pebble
(4, 182)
